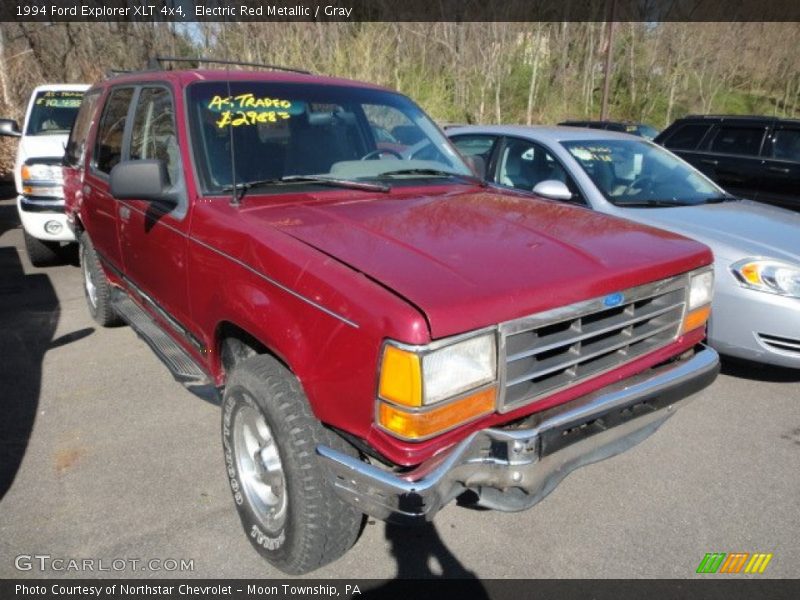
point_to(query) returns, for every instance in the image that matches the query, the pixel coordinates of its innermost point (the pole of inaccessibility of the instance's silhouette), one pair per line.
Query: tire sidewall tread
(103, 312)
(320, 526)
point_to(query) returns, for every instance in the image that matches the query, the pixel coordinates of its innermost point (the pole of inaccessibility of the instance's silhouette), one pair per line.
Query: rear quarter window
(76, 146)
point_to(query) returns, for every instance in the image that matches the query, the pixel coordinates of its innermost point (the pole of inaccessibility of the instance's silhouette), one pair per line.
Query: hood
(469, 259)
(34, 146)
(732, 229)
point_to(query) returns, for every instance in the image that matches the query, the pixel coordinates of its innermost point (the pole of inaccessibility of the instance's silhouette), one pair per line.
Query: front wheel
(289, 511)
(40, 252)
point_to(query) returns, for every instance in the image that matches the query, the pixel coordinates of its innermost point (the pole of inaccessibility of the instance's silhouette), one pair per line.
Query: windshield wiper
(721, 198)
(651, 203)
(435, 173)
(242, 188)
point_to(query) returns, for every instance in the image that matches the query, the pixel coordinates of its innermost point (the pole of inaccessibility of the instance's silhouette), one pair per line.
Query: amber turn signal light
(696, 318)
(417, 425)
(401, 377)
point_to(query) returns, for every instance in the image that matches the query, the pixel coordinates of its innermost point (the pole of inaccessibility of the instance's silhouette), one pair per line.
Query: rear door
(781, 179)
(99, 212)
(75, 153)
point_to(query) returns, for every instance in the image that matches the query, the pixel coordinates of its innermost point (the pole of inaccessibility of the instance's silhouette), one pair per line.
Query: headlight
(42, 180)
(701, 292)
(766, 275)
(42, 172)
(424, 391)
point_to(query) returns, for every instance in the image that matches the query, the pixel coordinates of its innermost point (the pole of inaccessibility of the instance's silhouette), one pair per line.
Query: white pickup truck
(37, 170)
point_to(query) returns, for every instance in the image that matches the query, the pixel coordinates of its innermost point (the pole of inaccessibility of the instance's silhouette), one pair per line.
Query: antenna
(235, 197)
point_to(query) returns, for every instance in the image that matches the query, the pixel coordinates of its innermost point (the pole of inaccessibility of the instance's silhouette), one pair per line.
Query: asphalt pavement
(103, 456)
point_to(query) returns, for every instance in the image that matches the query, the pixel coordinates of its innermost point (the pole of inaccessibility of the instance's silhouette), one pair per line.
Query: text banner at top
(185, 11)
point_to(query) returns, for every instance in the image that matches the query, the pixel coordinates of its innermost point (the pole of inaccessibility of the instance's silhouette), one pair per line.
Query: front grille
(550, 351)
(780, 343)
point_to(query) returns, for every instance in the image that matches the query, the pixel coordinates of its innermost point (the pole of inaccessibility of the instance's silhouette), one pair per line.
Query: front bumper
(514, 467)
(34, 213)
(756, 326)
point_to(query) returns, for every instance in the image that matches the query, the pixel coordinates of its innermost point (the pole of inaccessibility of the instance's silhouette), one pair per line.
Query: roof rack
(156, 63)
(111, 73)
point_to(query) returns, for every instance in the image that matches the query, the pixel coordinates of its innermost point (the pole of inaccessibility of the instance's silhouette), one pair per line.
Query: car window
(76, 146)
(53, 112)
(524, 164)
(786, 144)
(153, 134)
(276, 130)
(732, 139)
(475, 145)
(687, 136)
(108, 147)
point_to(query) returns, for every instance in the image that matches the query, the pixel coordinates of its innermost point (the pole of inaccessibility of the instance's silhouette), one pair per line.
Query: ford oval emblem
(614, 299)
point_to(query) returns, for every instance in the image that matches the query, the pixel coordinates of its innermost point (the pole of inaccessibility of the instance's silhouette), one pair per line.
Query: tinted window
(786, 144)
(76, 146)
(687, 136)
(108, 148)
(153, 134)
(731, 139)
(53, 112)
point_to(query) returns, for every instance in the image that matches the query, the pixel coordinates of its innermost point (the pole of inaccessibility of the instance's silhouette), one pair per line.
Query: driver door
(154, 234)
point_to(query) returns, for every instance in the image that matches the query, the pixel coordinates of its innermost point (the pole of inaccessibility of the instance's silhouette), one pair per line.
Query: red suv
(385, 331)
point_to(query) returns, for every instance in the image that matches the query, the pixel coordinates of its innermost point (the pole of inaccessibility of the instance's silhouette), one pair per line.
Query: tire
(289, 511)
(41, 253)
(96, 287)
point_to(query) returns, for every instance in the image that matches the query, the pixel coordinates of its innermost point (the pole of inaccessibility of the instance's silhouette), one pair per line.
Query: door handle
(779, 169)
(124, 213)
(709, 161)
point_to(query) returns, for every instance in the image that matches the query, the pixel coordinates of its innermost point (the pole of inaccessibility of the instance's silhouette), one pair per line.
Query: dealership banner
(186, 11)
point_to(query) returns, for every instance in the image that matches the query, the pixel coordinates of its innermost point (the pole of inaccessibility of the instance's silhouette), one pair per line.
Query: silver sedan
(756, 308)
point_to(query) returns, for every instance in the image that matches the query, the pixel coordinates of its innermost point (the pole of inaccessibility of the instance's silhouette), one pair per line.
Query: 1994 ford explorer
(386, 331)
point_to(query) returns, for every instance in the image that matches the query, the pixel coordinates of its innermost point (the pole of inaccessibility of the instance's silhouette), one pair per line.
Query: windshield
(286, 130)
(637, 172)
(53, 112)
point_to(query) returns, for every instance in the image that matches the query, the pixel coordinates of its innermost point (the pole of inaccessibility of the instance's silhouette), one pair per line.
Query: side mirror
(10, 128)
(141, 180)
(477, 164)
(552, 189)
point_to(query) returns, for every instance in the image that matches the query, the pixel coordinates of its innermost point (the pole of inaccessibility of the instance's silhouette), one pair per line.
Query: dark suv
(750, 156)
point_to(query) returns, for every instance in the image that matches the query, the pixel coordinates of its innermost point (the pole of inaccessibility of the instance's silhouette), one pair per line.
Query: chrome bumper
(513, 468)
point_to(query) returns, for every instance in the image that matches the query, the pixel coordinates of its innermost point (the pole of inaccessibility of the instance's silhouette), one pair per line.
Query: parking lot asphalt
(104, 456)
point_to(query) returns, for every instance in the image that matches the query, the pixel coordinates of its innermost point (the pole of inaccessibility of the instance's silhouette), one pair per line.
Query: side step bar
(182, 366)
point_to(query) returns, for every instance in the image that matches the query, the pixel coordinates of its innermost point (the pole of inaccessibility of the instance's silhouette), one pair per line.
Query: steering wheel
(640, 183)
(379, 151)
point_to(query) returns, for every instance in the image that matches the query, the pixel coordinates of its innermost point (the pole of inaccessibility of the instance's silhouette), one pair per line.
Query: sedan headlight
(766, 275)
(426, 390)
(701, 292)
